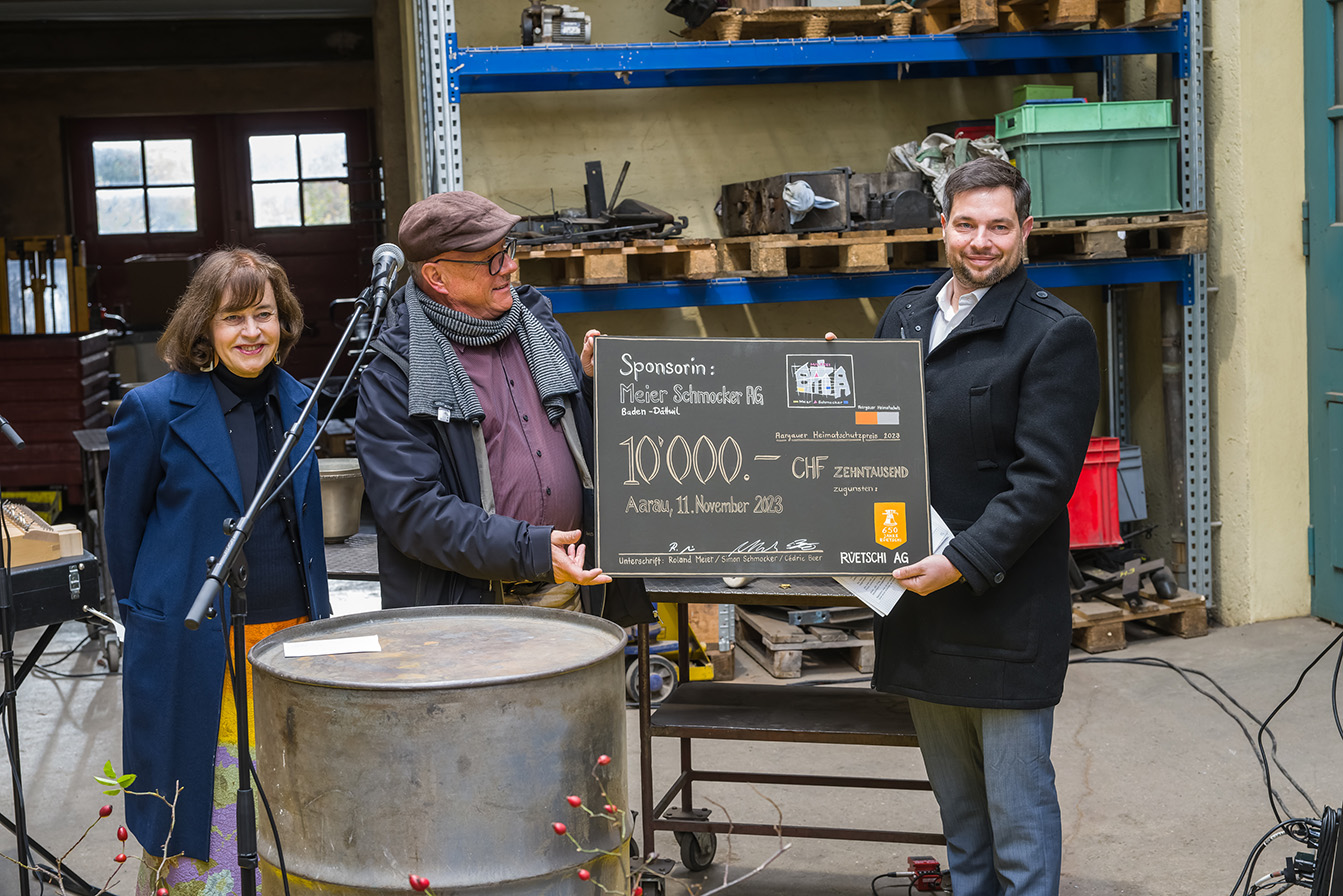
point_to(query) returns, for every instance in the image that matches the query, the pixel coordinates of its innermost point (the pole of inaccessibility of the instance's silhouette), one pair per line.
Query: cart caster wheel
(661, 679)
(697, 850)
(113, 654)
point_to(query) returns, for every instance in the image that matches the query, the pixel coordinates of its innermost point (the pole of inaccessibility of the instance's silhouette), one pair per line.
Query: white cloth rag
(800, 199)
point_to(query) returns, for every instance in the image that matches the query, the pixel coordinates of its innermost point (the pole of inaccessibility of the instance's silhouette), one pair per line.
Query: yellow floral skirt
(218, 875)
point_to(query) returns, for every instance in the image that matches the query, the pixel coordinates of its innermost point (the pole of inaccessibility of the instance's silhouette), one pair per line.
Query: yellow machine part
(701, 667)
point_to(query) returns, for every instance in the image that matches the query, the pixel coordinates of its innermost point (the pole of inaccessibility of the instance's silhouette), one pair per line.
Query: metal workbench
(711, 710)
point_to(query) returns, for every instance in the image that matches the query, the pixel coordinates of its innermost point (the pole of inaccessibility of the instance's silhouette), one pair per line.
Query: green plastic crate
(1091, 174)
(1024, 93)
(1053, 119)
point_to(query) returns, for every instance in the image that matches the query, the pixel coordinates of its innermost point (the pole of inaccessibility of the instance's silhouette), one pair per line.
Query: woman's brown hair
(228, 280)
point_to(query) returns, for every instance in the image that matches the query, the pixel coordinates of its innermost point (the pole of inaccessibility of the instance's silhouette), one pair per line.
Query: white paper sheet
(881, 593)
(332, 646)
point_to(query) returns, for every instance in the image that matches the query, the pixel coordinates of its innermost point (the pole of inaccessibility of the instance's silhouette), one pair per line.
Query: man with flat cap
(474, 429)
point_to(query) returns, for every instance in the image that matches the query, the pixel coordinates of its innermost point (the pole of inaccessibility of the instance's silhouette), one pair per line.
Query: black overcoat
(1011, 401)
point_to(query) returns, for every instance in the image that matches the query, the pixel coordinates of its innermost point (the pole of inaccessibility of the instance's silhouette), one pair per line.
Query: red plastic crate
(1093, 510)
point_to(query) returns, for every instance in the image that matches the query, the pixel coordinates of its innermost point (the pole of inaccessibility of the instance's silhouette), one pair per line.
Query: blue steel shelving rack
(448, 71)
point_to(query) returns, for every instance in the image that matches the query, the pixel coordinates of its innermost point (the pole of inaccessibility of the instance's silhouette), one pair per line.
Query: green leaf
(126, 781)
(106, 782)
(108, 770)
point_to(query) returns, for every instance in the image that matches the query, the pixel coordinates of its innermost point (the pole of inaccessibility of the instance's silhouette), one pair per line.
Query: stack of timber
(780, 647)
(965, 16)
(1098, 624)
(784, 22)
(52, 385)
(845, 252)
(636, 261)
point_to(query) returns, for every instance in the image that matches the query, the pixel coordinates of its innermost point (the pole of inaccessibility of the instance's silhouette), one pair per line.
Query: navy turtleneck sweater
(276, 589)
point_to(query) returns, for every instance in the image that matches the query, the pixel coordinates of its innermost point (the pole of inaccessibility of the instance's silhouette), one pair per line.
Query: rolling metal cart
(712, 710)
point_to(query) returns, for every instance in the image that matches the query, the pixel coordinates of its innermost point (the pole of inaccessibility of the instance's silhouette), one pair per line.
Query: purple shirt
(531, 468)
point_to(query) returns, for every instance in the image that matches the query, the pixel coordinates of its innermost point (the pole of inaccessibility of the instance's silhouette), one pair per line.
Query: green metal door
(1323, 236)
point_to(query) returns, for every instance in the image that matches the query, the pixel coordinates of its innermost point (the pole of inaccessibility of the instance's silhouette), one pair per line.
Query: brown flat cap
(459, 221)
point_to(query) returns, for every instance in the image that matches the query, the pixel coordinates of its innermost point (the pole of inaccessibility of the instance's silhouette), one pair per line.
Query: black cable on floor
(1247, 870)
(1260, 754)
(1263, 727)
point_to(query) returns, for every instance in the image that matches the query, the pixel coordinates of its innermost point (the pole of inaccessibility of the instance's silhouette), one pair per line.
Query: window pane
(274, 158)
(172, 209)
(168, 162)
(326, 202)
(323, 155)
(275, 205)
(121, 211)
(116, 163)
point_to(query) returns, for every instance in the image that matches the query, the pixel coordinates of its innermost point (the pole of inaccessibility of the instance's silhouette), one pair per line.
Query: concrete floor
(1160, 789)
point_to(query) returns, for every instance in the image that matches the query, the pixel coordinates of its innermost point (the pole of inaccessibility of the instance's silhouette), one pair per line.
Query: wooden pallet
(780, 254)
(788, 22)
(951, 16)
(1177, 233)
(847, 252)
(779, 647)
(1098, 625)
(617, 262)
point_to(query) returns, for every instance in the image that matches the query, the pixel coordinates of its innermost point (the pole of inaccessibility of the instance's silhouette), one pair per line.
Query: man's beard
(966, 276)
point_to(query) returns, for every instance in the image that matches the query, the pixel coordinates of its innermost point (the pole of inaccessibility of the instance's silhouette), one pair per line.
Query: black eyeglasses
(495, 263)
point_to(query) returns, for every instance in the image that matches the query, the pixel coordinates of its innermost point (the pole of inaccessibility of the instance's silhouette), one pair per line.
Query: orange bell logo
(888, 522)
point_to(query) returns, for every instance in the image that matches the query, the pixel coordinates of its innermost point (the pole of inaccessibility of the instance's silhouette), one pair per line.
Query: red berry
(122, 834)
(610, 809)
(638, 891)
(419, 884)
(584, 874)
(121, 857)
(575, 801)
(104, 811)
(162, 891)
(603, 759)
(559, 828)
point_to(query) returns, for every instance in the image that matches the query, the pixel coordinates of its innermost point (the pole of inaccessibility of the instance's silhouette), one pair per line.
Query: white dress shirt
(947, 318)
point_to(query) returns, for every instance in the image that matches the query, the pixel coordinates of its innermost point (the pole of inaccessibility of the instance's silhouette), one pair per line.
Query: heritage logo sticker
(889, 524)
(820, 382)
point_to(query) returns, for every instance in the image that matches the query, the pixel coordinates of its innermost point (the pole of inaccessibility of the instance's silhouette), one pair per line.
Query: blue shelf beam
(743, 291)
(699, 63)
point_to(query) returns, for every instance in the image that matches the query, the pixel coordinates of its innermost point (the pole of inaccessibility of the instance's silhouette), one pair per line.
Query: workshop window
(299, 180)
(144, 186)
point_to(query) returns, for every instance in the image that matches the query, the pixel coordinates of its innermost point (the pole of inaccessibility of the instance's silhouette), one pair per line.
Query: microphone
(9, 433)
(387, 260)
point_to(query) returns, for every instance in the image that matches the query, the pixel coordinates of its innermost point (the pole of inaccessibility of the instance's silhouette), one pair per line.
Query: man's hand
(588, 347)
(928, 575)
(566, 557)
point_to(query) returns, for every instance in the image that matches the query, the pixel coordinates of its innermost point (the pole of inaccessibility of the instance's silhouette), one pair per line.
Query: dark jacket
(1011, 399)
(436, 544)
(171, 482)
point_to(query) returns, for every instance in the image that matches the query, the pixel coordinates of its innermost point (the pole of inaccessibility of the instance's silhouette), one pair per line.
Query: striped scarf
(437, 378)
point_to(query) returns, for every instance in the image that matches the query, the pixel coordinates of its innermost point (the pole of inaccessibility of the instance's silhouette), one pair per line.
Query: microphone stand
(231, 568)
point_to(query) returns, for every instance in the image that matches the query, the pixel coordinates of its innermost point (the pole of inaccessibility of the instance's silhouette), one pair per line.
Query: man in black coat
(979, 643)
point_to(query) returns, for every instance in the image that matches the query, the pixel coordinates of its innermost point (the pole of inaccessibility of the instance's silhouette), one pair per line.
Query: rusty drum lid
(443, 647)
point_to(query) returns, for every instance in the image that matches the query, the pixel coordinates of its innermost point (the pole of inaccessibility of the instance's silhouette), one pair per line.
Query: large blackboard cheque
(720, 457)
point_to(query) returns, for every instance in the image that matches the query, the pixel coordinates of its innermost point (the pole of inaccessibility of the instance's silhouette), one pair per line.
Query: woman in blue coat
(187, 452)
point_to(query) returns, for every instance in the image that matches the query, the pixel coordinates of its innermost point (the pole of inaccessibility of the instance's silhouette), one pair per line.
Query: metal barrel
(448, 753)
